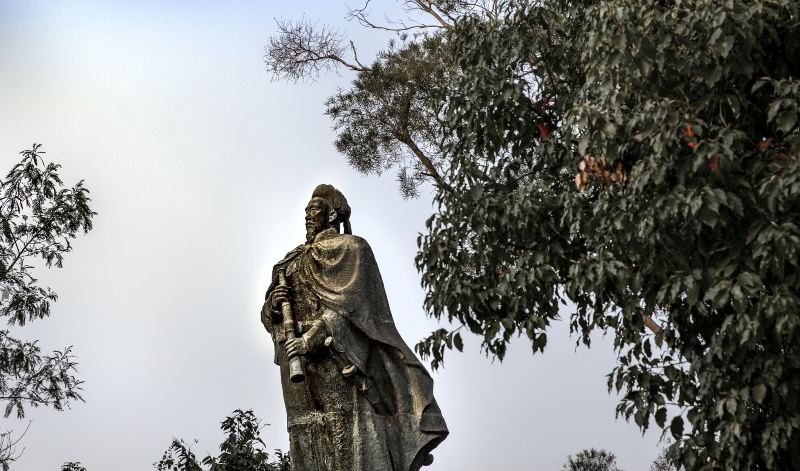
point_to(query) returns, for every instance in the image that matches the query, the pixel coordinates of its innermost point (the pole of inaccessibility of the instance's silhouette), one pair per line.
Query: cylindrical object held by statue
(296, 373)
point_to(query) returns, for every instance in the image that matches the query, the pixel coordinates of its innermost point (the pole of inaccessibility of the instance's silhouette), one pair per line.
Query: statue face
(318, 216)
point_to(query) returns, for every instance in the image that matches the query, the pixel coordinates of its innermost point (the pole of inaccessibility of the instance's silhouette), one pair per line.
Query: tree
(38, 219)
(591, 460)
(73, 466)
(388, 118)
(242, 449)
(662, 462)
(636, 161)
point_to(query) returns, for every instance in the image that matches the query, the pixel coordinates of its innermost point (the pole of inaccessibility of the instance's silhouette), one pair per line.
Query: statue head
(327, 208)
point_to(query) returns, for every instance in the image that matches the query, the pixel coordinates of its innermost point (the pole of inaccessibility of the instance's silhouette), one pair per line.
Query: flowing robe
(367, 402)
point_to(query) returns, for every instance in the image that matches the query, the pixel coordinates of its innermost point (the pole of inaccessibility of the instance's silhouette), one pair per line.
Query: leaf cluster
(38, 218)
(242, 449)
(72, 466)
(591, 460)
(499, 226)
(662, 462)
(694, 108)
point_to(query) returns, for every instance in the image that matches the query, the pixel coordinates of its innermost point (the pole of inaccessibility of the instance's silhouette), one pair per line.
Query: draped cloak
(388, 418)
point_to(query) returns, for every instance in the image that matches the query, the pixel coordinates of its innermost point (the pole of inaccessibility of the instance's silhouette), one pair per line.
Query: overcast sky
(199, 168)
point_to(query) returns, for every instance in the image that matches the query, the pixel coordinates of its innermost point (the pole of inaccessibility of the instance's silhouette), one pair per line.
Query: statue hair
(337, 202)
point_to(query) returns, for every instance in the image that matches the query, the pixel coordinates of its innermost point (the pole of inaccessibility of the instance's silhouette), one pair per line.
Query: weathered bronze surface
(357, 398)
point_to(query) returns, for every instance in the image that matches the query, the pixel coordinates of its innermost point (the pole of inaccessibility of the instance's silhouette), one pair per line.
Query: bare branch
(304, 50)
(8, 446)
(423, 159)
(429, 7)
(651, 324)
(449, 11)
(362, 14)
(355, 55)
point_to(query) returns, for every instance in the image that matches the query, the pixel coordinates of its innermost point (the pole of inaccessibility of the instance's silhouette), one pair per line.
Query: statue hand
(296, 347)
(280, 295)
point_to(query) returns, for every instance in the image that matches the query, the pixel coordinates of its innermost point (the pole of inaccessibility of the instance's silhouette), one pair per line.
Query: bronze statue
(356, 396)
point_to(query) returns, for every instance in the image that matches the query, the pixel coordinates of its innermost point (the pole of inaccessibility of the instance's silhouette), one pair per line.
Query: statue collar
(326, 234)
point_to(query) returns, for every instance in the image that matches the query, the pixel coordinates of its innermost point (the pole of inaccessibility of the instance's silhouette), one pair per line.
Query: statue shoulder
(294, 251)
(341, 244)
(291, 254)
(332, 238)
(353, 241)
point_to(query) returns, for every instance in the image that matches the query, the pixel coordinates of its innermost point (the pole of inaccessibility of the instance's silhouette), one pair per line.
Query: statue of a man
(362, 400)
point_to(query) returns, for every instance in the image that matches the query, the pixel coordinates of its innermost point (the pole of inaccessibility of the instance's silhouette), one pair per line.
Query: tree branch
(355, 55)
(427, 7)
(362, 16)
(304, 50)
(424, 159)
(651, 324)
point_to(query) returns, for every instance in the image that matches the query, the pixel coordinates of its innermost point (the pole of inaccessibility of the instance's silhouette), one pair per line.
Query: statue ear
(332, 216)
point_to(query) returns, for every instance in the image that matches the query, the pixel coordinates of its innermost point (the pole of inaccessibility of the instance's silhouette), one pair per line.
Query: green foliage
(38, 219)
(27, 376)
(388, 118)
(72, 466)
(630, 158)
(178, 457)
(241, 450)
(662, 462)
(591, 460)
(500, 227)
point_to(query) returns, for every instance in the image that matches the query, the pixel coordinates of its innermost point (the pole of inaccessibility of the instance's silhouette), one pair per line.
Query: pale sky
(199, 167)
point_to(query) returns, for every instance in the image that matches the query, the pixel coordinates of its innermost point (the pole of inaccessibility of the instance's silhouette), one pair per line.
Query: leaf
(583, 144)
(542, 131)
(714, 36)
(692, 293)
(7, 230)
(730, 405)
(713, 163)
(773, 109)
(759, 393)
(661, 416)
(786, 120)
(459, 344)
(676, 427)
(758, 84)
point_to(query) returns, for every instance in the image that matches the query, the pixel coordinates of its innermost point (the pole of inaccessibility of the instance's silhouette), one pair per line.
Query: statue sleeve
(315, 334)
(272, 325)
(353, 343)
